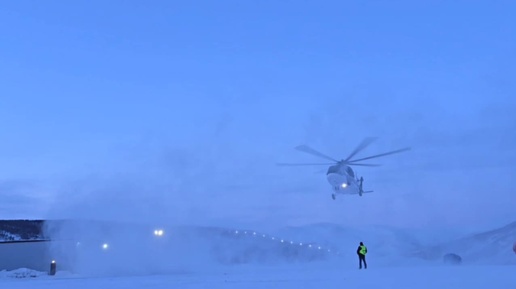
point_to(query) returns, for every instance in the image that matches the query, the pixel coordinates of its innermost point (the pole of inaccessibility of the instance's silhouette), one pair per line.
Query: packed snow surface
(285, 277)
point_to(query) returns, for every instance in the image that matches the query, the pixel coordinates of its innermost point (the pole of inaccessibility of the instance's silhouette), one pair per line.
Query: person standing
(361, 252)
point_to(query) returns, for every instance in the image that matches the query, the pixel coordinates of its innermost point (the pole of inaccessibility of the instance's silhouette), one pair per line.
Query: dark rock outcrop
(452, 259)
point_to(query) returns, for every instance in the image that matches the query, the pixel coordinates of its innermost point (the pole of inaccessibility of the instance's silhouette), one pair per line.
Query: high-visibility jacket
(363, 249)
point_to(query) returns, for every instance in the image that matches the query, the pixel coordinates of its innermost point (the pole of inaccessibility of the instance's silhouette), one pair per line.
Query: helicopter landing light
(344, 185)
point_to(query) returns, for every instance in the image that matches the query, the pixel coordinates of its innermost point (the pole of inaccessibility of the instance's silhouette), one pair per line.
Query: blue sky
(178, 111)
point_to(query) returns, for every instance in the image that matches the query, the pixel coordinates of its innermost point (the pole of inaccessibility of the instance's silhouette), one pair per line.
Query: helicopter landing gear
(333, 196)
(360, 186)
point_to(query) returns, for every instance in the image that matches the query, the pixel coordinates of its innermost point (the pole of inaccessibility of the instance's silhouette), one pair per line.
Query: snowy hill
(386, 245)
(491, 247)
(116, 248)
(129, 247)
(109, 248)
(392, 246)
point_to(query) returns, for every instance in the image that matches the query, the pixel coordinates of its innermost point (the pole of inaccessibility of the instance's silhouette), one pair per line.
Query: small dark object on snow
(52, 268)
(452, 259)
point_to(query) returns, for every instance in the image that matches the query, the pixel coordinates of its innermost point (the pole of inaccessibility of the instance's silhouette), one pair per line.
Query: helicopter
(340, 175)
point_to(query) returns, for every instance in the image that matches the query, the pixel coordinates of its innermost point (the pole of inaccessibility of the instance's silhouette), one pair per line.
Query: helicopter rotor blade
(364, 165)
(302, 164)
(309, 150)
(379, 155)
(365, 142)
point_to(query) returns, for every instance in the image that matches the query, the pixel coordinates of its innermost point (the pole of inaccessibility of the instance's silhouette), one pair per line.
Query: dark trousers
(361, 258)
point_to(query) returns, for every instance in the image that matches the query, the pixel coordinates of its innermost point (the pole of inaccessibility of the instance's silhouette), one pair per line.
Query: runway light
(105, 246)
(236, 232)
(158, 233)
(344, 185)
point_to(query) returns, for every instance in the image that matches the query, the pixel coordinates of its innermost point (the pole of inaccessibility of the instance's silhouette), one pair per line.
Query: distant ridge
(490, 247)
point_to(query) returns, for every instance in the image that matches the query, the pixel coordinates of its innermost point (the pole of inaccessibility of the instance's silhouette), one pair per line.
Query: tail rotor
(360, 188)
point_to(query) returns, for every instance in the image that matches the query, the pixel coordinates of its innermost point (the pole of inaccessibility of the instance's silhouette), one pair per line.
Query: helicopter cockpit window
(333, 170)
(351, 172)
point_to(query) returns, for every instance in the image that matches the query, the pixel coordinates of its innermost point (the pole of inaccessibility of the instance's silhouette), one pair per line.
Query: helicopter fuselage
(343, 180)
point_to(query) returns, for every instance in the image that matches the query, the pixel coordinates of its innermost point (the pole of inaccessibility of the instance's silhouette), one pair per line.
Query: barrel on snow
(53, 268)
(452, 259)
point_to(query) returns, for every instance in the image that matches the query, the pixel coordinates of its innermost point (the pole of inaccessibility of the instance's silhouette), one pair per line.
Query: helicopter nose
(337, 180)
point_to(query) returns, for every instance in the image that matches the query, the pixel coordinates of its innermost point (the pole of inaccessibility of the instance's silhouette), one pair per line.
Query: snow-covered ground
(285, 277)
